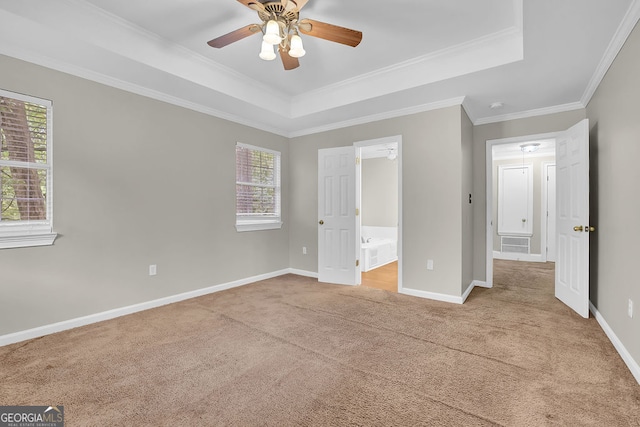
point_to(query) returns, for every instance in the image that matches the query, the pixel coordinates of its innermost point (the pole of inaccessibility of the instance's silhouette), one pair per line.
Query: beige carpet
(290, 351)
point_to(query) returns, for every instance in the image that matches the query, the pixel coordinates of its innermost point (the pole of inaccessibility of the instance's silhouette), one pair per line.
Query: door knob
(592, 229)
(578, 228)
(321, 222)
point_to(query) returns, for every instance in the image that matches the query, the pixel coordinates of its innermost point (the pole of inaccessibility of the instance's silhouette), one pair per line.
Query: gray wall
(431, 176)
(614, 117)
(536, 163)
(467, 208)
(380, 192)
(481, 134)
(136, 182)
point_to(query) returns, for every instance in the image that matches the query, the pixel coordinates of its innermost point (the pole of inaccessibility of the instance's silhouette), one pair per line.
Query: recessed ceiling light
(496, 105)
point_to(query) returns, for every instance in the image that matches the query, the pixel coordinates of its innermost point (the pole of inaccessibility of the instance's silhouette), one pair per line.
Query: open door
(337, 251)
(572, 220)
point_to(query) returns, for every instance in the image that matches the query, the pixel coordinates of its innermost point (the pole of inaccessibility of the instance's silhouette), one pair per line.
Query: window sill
(258, 225)
(27, 240)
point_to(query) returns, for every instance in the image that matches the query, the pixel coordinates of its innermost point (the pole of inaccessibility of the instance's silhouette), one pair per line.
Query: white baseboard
(481, 284)
(304, 273)
(633, 366)
(444, 297)
(123, 311)
(518, 257)
(472, 285)
(431, 295)
(466, 293)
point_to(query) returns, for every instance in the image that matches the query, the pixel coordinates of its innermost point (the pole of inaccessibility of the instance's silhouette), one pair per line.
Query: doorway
(521, 201)
(339, 219)
(572, 215)
(379, 189)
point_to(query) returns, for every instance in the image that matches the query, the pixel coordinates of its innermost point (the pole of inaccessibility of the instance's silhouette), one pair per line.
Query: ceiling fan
(281, 26)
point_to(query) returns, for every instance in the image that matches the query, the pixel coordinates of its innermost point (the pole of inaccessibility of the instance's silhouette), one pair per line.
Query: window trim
(23, 234)
(247, 222)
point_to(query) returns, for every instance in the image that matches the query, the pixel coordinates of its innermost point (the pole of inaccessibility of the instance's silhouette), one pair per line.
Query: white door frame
(367, 143)
(544, 218)
(489, 191)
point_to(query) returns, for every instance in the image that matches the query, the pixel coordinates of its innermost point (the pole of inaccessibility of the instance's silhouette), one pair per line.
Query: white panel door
(337, 251)
(572, 193)
(515, 200)
(551, 213)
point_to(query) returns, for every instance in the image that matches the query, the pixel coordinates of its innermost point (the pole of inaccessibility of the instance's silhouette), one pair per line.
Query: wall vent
(516, 245)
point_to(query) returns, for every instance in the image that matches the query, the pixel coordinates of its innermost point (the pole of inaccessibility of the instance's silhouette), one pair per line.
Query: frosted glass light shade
(296, 51)
(530, 147)
(267, 52)
(272, 34)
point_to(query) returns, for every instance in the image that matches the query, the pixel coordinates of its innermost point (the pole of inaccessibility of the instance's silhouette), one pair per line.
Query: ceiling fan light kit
(272, 33)
(267, 53)
(297, 50)
(280, 27)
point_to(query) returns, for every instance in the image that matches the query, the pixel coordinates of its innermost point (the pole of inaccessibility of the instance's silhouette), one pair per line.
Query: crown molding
(381, 116)
(409, 73)
(116, 35)
(169, 46)
(467, 109)
(530, 113)
(492, 50)
(133, 88)
(620, 37)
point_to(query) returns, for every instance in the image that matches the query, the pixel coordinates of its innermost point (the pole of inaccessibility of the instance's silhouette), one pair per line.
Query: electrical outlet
(153, 270)
(304, 250)
(429, 264)
(630, 308)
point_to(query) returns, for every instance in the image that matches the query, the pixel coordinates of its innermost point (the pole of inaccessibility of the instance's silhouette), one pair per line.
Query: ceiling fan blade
(234, 36)
(299, 3)
(288, 5)
(330, 32)
(289, 62)
(253, 4)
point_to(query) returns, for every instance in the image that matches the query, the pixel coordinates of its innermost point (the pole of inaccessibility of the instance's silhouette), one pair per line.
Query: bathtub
(379, 247)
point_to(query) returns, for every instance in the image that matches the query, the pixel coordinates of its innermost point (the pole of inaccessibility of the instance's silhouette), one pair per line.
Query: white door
(572, 192)
(551, 213)
(337, 251)
(515, 200)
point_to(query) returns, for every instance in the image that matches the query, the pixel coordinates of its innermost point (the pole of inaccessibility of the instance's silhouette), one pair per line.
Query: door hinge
(357, 263)
(357, 160)
(357, 211)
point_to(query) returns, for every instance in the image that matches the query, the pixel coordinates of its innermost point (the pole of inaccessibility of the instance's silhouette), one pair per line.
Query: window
(25, 171)
(257, 188)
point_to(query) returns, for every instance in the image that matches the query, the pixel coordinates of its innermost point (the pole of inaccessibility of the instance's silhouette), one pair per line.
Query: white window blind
(25, 171)
(257, 188)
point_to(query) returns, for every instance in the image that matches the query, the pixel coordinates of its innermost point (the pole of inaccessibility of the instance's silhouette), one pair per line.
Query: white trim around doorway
(380, 141)
(489, 192)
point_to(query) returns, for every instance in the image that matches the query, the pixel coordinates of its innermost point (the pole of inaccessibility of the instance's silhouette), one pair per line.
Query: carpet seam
(391, 380)
(407, 335)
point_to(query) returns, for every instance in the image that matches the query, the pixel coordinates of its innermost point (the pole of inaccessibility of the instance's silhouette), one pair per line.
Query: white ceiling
(535, 57)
